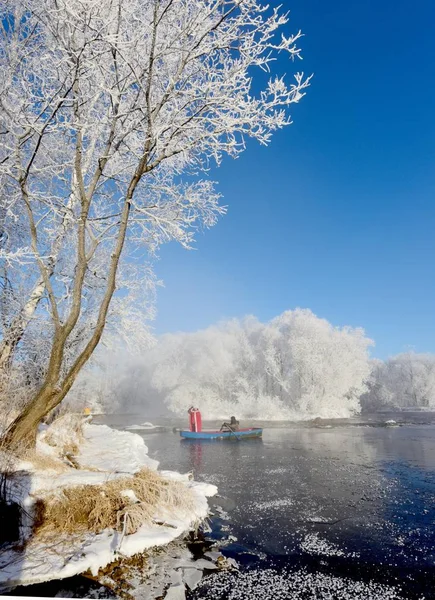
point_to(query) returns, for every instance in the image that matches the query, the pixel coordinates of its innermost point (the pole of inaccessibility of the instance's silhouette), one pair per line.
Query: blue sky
(338, 213)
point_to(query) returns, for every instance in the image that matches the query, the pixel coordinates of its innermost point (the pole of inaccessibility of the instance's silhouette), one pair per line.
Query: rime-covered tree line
(111, 115)
(295, 366)
(406, 380)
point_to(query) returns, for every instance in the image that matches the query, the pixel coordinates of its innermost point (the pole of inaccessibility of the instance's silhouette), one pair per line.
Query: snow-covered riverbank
(104, 455)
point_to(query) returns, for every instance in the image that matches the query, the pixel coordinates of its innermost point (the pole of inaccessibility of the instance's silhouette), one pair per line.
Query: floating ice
(269, 584)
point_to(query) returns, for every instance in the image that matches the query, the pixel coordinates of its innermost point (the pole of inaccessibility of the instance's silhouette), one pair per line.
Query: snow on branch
(111, 114)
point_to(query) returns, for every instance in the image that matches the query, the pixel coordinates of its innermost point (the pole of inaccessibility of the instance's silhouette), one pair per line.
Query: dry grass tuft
(97, 507)
(44, 462)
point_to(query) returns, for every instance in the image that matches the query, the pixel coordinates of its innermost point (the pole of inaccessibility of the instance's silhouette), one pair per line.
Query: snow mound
(119, 451)
(68, 557)
(104, 453)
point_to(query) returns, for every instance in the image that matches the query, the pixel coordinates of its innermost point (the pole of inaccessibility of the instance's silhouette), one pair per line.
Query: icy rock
(213, 555)
(226, 564)
(175, 577)
(200, 564)
(183, 563)
(192, 577)
(233, 564)
(176, 592)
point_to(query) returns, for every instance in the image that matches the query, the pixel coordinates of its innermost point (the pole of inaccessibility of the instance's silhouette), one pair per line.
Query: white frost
(269, 584)
(313, 544)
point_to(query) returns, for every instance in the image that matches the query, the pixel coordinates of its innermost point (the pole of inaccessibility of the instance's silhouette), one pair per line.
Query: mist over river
(309, 509)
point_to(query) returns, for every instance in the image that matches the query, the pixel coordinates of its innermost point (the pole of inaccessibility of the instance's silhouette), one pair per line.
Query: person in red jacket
(195, 420)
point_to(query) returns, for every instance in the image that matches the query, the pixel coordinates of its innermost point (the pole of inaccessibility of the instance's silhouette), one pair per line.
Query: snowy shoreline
(105, 454)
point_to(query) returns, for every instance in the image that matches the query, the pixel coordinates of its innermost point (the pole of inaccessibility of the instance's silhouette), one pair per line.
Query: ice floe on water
(221, 513)
(269, 584)
(271, 504)
(315, 545)
(317, 519)
(143, 426)
(277, 471)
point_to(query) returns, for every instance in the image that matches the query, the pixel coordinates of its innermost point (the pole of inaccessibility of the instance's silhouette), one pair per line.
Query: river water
(330, 511)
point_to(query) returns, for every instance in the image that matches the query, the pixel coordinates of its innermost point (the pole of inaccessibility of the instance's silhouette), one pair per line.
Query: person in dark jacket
(233, 425)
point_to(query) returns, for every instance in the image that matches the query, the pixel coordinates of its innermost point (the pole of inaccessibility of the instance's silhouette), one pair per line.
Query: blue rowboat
(252, 432)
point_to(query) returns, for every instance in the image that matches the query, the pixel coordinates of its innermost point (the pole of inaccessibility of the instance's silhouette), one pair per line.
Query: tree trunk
(22, 431)
(21, 434)
(16, 331)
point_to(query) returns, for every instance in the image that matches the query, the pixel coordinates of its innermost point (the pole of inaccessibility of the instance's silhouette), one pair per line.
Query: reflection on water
(195, 452)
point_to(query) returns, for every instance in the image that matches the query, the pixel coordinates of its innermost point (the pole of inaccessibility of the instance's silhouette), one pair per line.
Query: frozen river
(310, 510)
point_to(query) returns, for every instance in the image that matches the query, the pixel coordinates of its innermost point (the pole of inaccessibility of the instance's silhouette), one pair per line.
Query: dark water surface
(349, 502)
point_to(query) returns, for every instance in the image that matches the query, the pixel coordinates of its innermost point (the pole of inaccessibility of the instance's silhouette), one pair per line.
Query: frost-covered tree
(378, 395)
(323, 367)
(403, 381)
(104, 107)
(294, 366)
